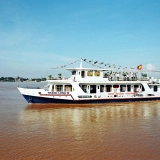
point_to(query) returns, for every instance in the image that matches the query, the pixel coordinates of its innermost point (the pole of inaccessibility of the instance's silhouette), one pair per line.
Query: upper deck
(102, 75)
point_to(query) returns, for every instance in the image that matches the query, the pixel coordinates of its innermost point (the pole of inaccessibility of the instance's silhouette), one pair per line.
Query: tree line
(20, 79)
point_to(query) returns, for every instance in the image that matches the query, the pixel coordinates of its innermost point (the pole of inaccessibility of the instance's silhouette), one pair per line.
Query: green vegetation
(50, 77)
(59, 76)
(20, 79)
(143, 75)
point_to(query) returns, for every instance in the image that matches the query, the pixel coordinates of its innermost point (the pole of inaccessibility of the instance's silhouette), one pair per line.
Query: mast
(80, 63)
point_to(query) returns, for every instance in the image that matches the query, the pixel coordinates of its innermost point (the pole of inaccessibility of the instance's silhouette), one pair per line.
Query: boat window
(97, 73)
(136, 88)
(46, 87)
(85, 96)
(155, 89)
(83, 74)
(93, 89)
(108, 88)
(115, 86)
(90, 73)
(59, 88)
(128, 88)
(143, 89)
(84, 88)
(52, 87)
(122, 88)
(101, 88)
(68, 88)
(73, 72)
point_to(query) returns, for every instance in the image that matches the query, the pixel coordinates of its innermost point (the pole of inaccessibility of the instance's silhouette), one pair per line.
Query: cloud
(150, 66)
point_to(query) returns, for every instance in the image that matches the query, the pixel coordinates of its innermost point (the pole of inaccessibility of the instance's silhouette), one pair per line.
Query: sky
(37, 35)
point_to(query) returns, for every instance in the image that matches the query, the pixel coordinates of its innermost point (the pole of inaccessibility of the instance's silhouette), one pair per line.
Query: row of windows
(89, 73)
(110, 88)
(102, 88)
(61, 88)
(96, 73)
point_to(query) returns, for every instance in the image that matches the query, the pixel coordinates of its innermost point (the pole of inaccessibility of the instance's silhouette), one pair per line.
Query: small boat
(94, 85)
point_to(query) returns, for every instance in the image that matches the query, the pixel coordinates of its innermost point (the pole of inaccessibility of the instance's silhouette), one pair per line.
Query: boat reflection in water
(112, 131)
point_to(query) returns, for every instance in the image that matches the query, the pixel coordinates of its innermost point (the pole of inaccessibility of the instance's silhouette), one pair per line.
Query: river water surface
(117, 131)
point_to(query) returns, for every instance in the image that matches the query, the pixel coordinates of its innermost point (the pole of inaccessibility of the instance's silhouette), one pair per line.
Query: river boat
(93, 85)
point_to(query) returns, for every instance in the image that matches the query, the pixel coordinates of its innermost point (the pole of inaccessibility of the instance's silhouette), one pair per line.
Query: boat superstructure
(90, 85)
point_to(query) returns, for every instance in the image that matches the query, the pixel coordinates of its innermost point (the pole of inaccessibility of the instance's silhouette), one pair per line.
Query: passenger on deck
(124, 76)
(127, 75)
(117, 76)
(133, 76)
(111, 76)
(150, 80)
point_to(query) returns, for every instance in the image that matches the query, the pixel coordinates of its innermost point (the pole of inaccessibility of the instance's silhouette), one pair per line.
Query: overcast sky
(37, 35)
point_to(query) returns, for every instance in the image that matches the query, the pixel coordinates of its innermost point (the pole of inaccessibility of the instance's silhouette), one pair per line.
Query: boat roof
(88, 69)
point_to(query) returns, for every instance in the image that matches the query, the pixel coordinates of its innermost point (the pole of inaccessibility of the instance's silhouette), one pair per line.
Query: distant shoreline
(21, 79)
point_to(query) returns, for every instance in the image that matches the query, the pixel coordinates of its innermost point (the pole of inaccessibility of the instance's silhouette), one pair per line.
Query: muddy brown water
(115, 131)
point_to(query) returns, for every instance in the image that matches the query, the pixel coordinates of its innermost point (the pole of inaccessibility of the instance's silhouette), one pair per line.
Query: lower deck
(92, 93)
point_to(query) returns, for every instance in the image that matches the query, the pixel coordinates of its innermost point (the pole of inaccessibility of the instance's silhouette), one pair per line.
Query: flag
(139, 67)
